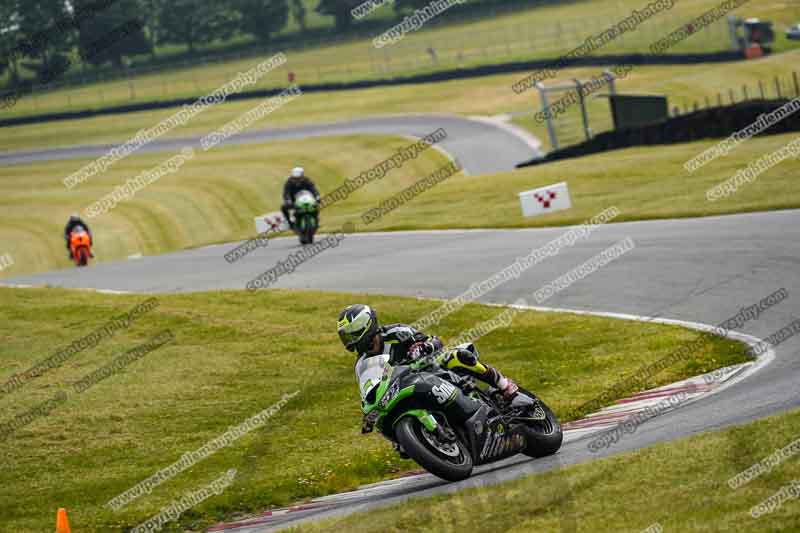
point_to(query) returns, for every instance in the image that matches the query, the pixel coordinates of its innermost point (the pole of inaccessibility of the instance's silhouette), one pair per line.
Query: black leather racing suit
(397, 339)
(290, 190)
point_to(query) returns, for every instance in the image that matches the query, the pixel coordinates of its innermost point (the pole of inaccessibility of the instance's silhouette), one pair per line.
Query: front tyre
(305, 229)
(448, 460)
(309, 235)
(543, 434)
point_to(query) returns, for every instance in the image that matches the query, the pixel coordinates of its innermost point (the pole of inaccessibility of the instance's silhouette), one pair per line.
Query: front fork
(442, 431)
(424, 417)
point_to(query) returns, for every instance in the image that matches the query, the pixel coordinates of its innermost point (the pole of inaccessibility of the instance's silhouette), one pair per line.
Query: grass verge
(682, 486)
(234, 355)
(212, 198)
(491, 95)
(644, 183)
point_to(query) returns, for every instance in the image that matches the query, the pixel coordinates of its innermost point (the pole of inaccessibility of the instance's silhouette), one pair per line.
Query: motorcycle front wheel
(309, 235)
(305, 229)
(543, 433)
(449, 460)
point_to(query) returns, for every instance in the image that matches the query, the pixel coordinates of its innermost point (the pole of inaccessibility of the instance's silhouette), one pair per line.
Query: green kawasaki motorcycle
(306, 216)
(421, 408)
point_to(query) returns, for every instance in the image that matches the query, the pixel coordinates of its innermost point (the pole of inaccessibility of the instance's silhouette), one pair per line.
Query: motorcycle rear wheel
(450, 461)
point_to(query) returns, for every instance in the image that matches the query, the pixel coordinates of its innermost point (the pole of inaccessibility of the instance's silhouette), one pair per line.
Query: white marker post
(272, 223)
(545, 200)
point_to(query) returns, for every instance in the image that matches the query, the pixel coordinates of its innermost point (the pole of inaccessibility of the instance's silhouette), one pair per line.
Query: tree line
(41, 35)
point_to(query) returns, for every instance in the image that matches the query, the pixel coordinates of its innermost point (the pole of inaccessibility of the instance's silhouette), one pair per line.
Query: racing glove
(420, 349)
(368, 422)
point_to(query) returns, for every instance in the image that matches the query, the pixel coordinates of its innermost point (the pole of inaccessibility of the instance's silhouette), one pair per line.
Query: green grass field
(200, 205)
(542, 32)
(682, 486)
(212, 198)
(235, 354)
(486, 96)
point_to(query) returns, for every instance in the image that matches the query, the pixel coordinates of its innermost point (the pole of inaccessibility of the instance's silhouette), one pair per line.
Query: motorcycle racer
(74, 222)
(361, 333)
(298, 181)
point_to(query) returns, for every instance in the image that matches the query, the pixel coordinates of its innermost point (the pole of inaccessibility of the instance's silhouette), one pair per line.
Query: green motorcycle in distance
(417, 407)
(306, 216)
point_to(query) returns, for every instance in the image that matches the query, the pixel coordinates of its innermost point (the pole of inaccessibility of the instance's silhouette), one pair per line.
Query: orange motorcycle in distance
(81, 246)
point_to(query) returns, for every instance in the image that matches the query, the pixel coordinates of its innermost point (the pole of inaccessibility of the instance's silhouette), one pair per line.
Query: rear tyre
(83, 257)
(543, 436)
(450, 461)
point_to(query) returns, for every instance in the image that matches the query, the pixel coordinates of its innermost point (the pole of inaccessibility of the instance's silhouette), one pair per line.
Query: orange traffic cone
(62, 524)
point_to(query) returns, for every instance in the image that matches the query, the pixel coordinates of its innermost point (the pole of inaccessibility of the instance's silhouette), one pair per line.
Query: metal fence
(347, 59)
(591, 113)
(779, 87)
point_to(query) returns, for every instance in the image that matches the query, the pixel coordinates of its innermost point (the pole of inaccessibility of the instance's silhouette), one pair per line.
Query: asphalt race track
(701, 270)
(467, 140)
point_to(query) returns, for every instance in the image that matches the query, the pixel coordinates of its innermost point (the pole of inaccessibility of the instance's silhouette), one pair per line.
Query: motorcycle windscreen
(369, 371)
(305, 199)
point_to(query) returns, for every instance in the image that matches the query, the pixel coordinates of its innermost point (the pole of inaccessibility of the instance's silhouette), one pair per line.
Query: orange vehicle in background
(80, 244)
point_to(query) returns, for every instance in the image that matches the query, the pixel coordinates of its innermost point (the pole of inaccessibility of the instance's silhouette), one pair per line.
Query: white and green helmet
(357, 327)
